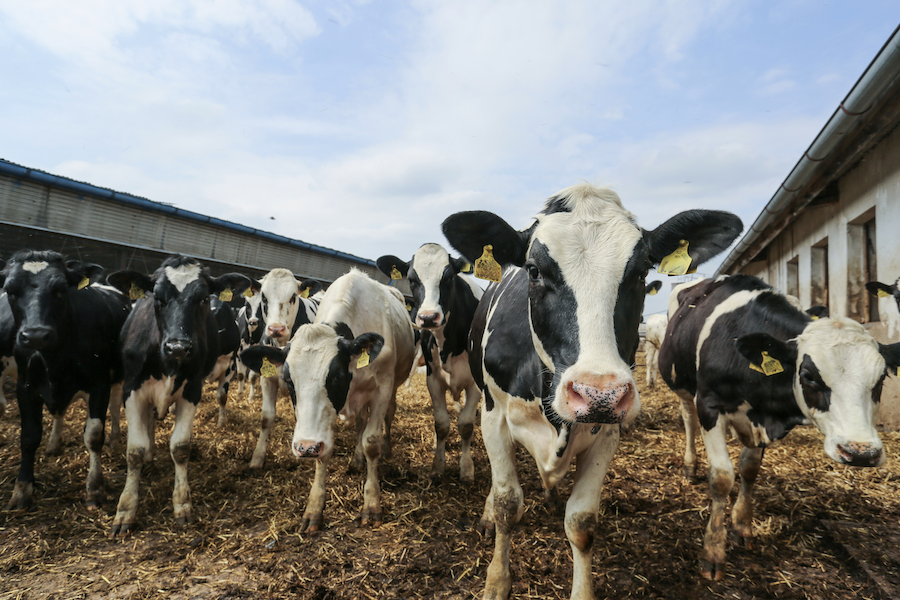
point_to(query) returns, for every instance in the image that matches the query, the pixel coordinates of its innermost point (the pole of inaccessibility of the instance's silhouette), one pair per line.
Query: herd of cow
(550, 346)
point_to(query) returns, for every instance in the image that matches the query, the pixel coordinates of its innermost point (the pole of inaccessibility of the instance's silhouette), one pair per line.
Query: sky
(360, 125)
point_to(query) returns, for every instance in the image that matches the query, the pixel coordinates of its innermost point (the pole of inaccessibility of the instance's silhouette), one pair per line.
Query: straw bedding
(245, 540)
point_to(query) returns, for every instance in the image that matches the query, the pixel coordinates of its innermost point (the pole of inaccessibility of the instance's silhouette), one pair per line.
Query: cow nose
(606, 400)
(276, 331)
(429, 319)
(860, 455)
(177, 348)
(35, 338)
(308, 448)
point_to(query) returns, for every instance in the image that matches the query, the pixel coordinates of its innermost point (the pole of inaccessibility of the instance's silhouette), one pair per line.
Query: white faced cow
(283, 310)
(553, 343)
(656, 331)
(444, 303)
(66, 346)
(170, 344)
(724, 335)
(248, 320)
(358, 318)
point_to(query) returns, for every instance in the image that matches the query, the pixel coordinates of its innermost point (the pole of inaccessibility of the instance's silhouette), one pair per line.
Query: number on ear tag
(135, 293)
(395, 273)
(84, 283)
(486, 267)
(226, 295)
(678, 262)
(363, 360)
(248, 293)
(268, 369)
(882, 294)
(467, 268)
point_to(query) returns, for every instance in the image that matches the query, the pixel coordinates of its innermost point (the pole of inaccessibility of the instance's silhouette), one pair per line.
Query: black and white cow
(552, 346)
(248, 320)
(444, 303)
(229, 344)
(66, 346)
(284, 310)
(170, 344)
(327, 380)
(720, 331)
(888, 304)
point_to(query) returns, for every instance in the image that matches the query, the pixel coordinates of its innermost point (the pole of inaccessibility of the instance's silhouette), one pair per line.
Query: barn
(829, 227)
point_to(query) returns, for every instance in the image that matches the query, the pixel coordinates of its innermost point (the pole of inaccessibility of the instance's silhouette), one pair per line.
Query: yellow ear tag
(248, 293)
(363, 360)
(135, 293)
(226, 295)
(678, 262)
(814, 317)
(652, 292)
(305, 293)
(84, 283)
(268, 369)
(408, 307)
(467, 268)
(486, 267)
(395, 273)
(882, 294)
(771, 366)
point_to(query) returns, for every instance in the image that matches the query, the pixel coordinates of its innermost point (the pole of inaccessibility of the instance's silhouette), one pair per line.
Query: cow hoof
(356, 465)
(22, 496)
(712, 571)
(312, 525)
(222, 423)
(122, 529)
(689, 474)
(54, 450)
(741, 540)
(94, 502)
(114, 444)
(182, 521)
(486, 528)
(369, 519)
(252, 471)
(466, 480)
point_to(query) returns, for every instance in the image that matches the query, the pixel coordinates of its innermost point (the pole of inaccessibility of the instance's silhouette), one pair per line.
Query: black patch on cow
(488, 400)
(286, 375)
(302, 318)
(343, 330)
(630, 304)
(337, 380)
(816, 393)
(562, 449)
(876, 391)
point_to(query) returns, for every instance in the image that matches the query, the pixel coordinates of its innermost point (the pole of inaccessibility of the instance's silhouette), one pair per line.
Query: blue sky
(361, 125)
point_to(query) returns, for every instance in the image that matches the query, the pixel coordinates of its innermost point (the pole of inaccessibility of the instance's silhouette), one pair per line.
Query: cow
(66, 341)
(553, 342)
(286, 304)
(169, 344)
(248, 319)
(347, 364)
(741, 356)
(444, 303)
(656, 331)
(888, 304)
(229, 336)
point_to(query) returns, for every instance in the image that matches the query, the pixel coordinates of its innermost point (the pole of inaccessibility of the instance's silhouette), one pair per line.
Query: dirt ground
(245, 541)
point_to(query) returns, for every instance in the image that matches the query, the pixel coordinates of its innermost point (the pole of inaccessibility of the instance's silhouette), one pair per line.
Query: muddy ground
(245, 541)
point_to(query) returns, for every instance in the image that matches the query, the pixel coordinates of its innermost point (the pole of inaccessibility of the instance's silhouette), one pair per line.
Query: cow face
(180, 292)
(38, 286)
(252, 308)
(319, 365)
(838, 370)
(586, 261)
(280, 300)
(431, 274)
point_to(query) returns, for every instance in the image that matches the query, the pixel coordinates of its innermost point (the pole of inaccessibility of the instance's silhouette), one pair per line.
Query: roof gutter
(880, 73)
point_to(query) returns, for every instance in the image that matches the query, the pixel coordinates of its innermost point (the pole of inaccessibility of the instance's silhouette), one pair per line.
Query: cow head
(838, 369)
(431, 274)
(280, 297)
(319, 365)
(38, 285)
(252, 309)
(180, 292)
(586, 260)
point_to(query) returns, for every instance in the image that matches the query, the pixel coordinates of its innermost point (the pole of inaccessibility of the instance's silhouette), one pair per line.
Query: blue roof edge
(14, 170)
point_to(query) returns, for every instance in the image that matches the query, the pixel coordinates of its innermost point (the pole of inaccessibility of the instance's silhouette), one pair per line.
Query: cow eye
(533, 271)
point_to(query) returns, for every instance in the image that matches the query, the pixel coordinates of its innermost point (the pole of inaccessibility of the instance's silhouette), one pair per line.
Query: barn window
(792, 285)
(818, 276)
(861, 267)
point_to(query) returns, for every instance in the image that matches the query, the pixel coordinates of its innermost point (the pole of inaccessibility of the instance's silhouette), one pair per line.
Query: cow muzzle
(429, 320)
(277, 332)
(604, 400)
(35, 338)
(307, 449)
(176, 349)
(860, 455)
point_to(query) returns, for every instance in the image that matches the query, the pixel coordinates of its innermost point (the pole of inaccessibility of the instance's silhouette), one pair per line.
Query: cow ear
(876, 288)
(653, 287)
(387, 263)
(311, 286)
(371, 342)
(77, 272)
(891, 355)
(707, 232)
(752, 346)
(460, 265)
(123, 281)
(470, 231)
(254, 357)
(818, 312)
(235, 281)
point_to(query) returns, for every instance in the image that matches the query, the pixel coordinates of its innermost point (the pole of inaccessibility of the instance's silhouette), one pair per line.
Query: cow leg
(359, 455)
(141, 427)
(721, 480)
(8, 366)
(115, 417)
(506, 500)
(269, 387)
(94, 434)
(651, 358)
(313, 517)
(253, 380)
(742, 513)
(466, 426)
(54, 442)
(583, 506)
(691, 423)
(438, 392)
(30, 415)
(372, 444)
(386, 450)
(180, 448)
